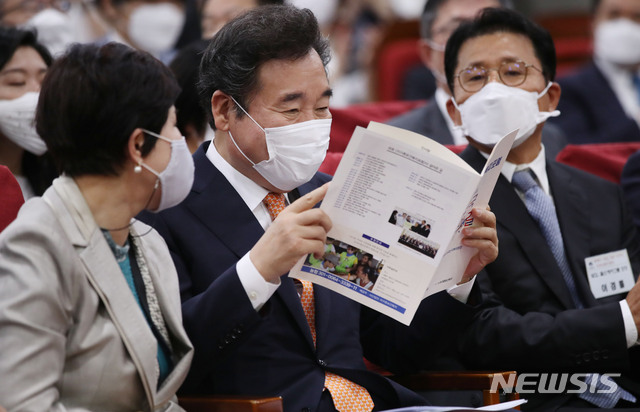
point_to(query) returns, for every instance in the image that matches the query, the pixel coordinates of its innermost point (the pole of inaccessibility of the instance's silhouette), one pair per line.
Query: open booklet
(497, 407)
(398, 202)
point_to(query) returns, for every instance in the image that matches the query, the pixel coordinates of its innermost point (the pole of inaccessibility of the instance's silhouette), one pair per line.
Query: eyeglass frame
(497, 69)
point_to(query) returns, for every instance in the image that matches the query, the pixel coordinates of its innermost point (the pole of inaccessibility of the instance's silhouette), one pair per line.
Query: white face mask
(295, 151)
(177, 178)
(617, 41)
(324, 11)
(497, 110)
(155, 28)
(54, 30)
(17, 122)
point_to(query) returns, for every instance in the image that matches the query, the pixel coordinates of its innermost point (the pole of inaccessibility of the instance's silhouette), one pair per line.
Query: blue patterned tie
(543, 211)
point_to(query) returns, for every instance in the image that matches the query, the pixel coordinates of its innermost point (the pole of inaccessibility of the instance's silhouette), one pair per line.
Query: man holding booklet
(255, 330)
(562, 296)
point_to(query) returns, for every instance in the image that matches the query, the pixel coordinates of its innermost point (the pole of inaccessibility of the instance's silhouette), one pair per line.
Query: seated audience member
(51, 20)
(233, 240)
(630, 182)
(217, 13)
(601, 102)
(23, 64)
(10, 197)
(153, 26)
(541, 314)
(439, 19)
(192, 118)
(89, 304)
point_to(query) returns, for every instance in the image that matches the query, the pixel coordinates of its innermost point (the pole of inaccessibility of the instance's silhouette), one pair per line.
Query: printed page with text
(398, 202)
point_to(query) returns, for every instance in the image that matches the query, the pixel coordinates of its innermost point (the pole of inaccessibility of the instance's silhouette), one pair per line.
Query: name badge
(609, 274)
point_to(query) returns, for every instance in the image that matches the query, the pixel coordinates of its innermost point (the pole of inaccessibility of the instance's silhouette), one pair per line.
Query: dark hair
(494, 20)
(38, 170)
(94, 97)
(235, 54)
(186, 67)
(12, 38)
(431, 10)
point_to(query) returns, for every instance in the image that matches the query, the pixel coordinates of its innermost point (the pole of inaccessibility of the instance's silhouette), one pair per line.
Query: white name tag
(609, 273)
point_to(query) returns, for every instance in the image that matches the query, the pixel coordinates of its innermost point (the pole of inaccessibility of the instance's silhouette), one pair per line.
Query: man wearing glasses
(543, 312)
(439, 19)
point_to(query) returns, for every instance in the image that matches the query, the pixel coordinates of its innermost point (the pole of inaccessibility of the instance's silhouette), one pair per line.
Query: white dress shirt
(257, 288)
(621, 82)
(539, 168)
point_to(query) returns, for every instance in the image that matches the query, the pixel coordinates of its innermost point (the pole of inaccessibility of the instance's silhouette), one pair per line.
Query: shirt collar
(251, 193)
(538, 166)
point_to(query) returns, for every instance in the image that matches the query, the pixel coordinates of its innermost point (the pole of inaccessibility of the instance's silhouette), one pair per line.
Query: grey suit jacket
(429, 121)
(72, 336)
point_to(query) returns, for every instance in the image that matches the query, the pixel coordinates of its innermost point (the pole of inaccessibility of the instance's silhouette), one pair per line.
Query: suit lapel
(323, 299)
(572, 208)
(220, 208)
(512, 216)
(107, 279)
(170, 305)
(213, 201)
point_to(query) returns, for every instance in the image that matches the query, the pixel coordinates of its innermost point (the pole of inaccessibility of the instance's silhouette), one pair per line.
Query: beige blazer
(72, 336)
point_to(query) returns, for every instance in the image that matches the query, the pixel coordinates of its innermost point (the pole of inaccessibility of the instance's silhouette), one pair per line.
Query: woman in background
(89, 305)
(23, 64)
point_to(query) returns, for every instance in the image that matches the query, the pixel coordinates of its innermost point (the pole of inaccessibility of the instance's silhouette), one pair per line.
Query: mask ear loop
(545, 90)
(234, 140)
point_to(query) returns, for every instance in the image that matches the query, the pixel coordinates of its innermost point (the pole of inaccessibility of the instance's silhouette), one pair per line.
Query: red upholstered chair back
(394, 62)
(346, 119)
(603, 159)
(10, 197)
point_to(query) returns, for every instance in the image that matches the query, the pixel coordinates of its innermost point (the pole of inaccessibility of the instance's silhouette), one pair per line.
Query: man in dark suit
(263, 79)
(630, 182)
(439, 19)
(601, 102)
(541, 314)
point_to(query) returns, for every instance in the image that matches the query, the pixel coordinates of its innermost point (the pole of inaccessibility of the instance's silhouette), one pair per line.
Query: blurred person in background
(50, 18)
(439, 19)
(23, 65)
(216, 13)
(601, 102)
(192, 119)
(153, 26)
(89, 304)
(354, 29)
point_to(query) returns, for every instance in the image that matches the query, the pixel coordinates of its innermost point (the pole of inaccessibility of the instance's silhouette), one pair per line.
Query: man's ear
(222, 108)
(554, 93)
(454, 113)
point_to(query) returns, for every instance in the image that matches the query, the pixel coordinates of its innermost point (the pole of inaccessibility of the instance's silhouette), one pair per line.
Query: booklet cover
(398, 202)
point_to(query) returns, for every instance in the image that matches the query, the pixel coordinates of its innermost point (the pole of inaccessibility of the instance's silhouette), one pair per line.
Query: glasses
(512, 74)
